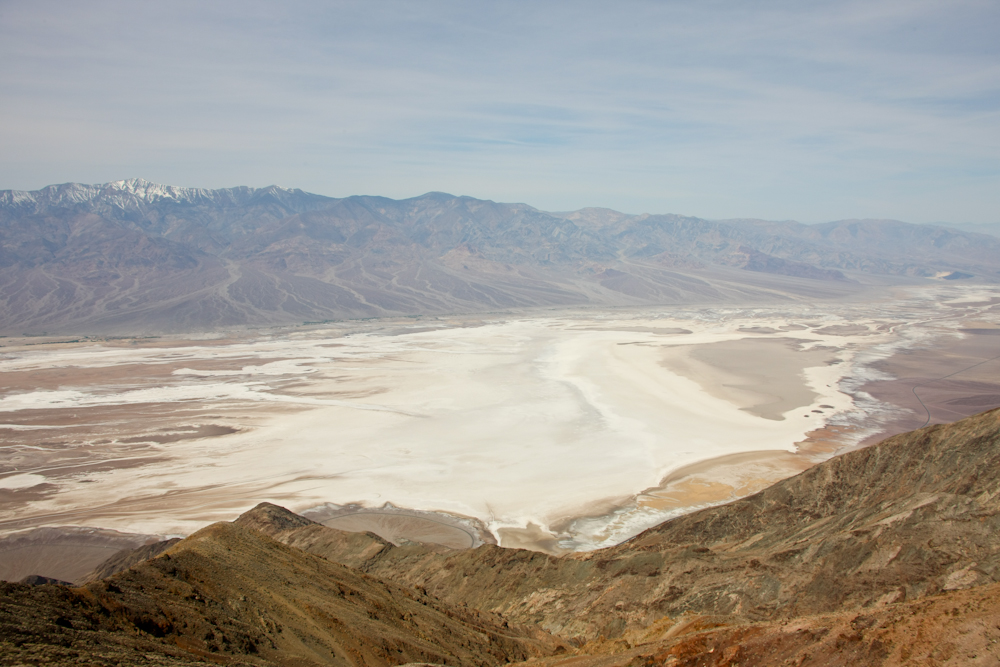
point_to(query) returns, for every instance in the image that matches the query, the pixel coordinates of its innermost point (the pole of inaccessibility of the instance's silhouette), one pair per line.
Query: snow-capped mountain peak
(134, 193)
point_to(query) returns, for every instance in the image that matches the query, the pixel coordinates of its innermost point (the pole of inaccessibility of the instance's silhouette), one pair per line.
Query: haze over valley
(553, 381)
(642, 334)
(447, 390)
(135, 257)
(555, 429)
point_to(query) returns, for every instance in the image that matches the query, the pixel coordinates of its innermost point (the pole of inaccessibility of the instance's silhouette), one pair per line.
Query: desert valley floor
(556, 430)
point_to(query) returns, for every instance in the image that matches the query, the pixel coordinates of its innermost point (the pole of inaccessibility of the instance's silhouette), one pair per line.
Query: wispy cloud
(812, 110)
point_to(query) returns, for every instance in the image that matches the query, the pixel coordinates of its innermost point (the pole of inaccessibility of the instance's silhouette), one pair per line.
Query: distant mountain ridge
(132, 193)
(133, 256)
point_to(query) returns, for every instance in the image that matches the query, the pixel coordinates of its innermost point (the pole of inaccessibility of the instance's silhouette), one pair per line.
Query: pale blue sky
(783, 110)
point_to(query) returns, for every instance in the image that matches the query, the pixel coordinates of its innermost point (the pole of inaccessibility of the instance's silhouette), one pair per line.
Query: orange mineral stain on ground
(730, 477)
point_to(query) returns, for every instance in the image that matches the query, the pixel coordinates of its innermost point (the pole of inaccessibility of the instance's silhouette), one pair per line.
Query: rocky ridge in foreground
(229, 594)
(883, 556)
(915, 515)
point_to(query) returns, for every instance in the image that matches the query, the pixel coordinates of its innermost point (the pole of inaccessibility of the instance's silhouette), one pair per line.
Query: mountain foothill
(887, 555)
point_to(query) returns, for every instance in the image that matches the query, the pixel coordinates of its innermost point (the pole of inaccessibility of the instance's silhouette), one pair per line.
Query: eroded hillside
(882, 556)
(912, 516)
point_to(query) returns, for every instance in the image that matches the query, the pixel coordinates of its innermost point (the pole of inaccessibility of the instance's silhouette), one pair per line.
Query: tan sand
(532, 537)
(66, 553)
(756, 374)
(722, 479)
(727, 478)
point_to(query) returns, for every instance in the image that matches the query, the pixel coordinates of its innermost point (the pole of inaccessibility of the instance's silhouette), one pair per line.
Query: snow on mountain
(135, 193)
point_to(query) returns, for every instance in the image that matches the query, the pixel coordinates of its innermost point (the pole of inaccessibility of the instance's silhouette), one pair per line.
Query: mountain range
(133, 256)
(887, 555)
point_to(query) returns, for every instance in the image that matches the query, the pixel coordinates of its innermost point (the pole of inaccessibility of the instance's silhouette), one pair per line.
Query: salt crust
(524, 420)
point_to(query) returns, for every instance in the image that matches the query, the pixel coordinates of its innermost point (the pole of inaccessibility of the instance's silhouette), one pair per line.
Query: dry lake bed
(556, 430)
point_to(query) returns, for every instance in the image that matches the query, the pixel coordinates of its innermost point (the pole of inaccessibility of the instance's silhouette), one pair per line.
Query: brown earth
(956, 628)
(910, 517)
(883, 556)
(948, 380)
(231, 591)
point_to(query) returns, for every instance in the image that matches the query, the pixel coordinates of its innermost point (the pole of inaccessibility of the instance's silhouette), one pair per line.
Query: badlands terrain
(463, 432)
(887, 555)
(556, 431)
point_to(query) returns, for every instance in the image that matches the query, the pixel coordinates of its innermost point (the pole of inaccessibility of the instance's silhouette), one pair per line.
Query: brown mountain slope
(950, 629)
(126, 558)
(350, 549)
(883, 556)
(914, 515)
(229, 591)
(55, 625)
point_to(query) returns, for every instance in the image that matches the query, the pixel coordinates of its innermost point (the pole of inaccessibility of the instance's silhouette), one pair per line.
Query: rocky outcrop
(888, 555)
(956, 628)
(912, 516)
(38, 580)
(229, 591)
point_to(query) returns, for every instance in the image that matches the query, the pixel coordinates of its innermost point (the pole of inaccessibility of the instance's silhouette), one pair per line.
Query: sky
(811, 111)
